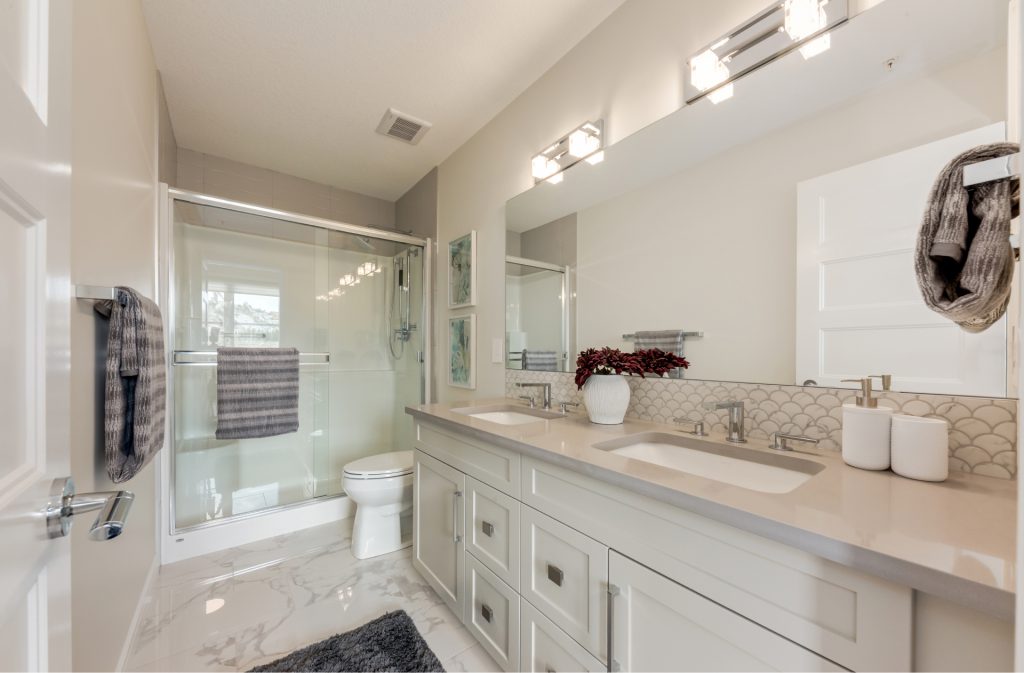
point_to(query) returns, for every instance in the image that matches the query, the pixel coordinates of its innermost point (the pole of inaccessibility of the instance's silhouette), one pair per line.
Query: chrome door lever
(64, 504)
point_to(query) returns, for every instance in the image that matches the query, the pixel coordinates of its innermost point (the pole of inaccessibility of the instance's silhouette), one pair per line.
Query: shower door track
(165, 264)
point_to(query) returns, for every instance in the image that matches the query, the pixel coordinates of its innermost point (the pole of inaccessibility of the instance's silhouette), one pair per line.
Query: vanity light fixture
(778, 30)
(583, 143)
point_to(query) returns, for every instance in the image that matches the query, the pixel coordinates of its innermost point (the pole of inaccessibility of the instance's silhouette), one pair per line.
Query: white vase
(607, 398)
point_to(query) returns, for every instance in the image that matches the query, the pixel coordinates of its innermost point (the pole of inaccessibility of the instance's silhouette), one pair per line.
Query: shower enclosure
(349, 298)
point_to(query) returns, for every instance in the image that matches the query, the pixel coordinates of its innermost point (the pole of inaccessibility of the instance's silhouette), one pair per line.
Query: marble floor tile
(237, 609)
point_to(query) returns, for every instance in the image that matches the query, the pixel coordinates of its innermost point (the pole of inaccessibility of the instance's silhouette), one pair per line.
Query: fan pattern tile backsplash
(983, 430)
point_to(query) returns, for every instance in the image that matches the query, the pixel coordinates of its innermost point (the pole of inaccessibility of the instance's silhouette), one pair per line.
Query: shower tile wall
(216, 176)
(983, 430)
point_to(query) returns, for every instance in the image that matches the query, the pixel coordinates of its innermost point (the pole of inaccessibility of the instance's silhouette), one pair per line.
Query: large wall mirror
(776, 228)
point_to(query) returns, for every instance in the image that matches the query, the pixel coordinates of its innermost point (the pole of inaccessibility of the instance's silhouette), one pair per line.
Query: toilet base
(378, 530)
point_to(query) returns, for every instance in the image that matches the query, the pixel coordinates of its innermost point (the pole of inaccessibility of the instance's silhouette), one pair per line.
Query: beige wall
(628, 71)
(670, 249)
(234, 180)
(168, 144)
(113, 242)
(416, 211)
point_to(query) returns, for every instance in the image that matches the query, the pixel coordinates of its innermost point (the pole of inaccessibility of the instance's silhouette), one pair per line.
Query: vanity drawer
(492, 530)
(548, 649)
(494, 466)
(565, 576)
(856, 620)
(492, 614)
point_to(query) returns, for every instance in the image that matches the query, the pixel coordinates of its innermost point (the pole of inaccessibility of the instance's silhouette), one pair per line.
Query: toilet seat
(380, 466)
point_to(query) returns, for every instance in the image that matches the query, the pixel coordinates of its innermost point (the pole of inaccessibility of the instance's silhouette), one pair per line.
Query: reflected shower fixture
(583, 143)
(778, 30)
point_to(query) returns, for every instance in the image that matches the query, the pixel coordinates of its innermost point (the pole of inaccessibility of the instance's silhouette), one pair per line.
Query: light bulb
(543, 167)
(707, 70)
(803, 18)
(582, 143)
(595, 158)
(816, 46)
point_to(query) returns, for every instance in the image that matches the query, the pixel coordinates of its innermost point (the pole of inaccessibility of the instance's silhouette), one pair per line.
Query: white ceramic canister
(920, 447)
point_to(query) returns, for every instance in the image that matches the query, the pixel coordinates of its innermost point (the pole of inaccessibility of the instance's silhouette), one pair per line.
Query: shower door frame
(213, 535)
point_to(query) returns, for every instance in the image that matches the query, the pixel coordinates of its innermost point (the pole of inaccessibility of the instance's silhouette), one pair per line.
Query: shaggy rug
(388, 643)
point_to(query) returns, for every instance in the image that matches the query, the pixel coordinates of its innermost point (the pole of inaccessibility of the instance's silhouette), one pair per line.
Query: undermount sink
(735, 465)
(507, 414)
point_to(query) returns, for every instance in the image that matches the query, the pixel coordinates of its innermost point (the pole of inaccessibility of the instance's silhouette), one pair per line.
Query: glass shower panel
(252, 281)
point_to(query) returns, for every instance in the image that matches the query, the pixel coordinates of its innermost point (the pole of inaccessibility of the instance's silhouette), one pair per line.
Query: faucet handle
(564, 406)
(698, 426)
(779, 440)
(529, 398)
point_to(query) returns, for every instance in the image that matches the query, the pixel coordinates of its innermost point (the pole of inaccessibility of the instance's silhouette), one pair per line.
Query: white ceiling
(298, 86)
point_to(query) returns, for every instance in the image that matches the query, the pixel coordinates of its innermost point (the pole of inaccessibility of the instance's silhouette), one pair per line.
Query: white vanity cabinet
(551, 569)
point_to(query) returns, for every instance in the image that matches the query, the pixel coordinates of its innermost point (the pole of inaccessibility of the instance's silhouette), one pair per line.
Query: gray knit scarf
(964, 260)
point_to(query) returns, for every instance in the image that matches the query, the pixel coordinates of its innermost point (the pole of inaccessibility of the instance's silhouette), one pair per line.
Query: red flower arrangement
(613, 361)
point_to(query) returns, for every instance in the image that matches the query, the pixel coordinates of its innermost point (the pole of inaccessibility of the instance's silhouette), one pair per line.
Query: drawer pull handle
(485, 612)
(488, 528)
(456, 538)
(555, 574)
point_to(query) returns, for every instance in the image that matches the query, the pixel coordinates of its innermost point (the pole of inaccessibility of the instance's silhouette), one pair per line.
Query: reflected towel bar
(990, 170)
(98, 292)
(209, 358)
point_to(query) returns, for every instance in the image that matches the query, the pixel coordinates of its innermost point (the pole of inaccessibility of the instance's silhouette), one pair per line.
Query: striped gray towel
(668, 340)
(257, 392)
(135, 392)
(540, 361)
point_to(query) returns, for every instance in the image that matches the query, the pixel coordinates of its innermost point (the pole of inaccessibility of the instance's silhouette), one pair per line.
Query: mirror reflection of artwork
(461, 351)
(461, 271)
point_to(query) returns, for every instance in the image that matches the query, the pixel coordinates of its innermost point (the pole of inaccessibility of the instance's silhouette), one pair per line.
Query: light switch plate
(497, 350)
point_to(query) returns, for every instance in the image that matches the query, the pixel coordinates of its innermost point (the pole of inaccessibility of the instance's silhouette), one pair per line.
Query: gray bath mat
(388, 643)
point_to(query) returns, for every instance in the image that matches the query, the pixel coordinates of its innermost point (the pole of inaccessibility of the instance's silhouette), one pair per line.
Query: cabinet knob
(488, 528)
(555, 574)
(485, 612)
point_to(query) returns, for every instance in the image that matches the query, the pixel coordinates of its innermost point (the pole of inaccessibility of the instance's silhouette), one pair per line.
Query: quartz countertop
(954, 539)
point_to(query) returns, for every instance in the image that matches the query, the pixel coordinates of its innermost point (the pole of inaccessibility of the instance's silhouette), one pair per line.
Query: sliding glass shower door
(351, 304)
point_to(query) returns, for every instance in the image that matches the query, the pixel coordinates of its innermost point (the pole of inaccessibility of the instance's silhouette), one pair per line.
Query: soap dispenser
(867, 430)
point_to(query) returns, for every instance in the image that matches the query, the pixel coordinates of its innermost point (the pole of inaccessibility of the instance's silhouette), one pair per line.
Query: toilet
(381, 487)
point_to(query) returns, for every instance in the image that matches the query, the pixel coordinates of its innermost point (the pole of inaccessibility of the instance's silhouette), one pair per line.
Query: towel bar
(95, 292)
(209, 358)
(989, 170)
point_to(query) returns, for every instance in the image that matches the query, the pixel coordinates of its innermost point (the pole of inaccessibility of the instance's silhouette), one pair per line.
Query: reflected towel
(135, 391)
(257, 392)
(668, 340)
(964, 261)
(540, 361)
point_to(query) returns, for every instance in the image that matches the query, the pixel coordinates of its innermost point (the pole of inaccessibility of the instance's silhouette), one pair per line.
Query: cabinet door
(492, 614)
(658, 625)
(439, 527)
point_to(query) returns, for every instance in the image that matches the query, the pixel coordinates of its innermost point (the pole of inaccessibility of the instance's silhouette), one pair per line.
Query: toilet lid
(382, 464)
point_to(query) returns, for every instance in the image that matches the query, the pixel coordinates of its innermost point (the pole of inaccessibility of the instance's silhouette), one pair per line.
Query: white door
(439, 527)
(658, 625)
(35, 127)
(859, 310)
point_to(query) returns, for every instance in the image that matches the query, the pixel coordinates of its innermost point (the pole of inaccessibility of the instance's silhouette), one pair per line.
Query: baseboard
(133, 626)
(187, 544)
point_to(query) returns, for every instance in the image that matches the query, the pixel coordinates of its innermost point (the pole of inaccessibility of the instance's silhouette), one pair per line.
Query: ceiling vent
(402, 126)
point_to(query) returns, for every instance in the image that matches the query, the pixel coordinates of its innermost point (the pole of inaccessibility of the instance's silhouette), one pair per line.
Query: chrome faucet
(735, 427)
(780, 441)
(545, 390)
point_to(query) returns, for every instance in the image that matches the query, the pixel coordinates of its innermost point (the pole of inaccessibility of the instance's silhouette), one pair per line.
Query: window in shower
(252, 281)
